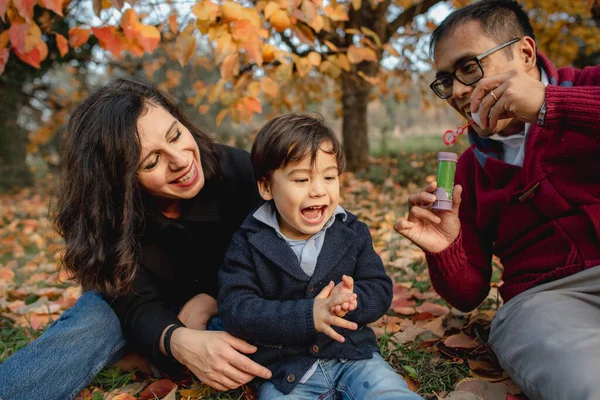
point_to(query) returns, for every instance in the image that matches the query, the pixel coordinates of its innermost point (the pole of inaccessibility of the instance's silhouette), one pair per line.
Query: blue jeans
(67, 356)
(334, 379)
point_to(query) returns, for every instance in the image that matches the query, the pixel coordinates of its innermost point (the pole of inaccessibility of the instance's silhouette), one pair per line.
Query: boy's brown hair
(289, 138)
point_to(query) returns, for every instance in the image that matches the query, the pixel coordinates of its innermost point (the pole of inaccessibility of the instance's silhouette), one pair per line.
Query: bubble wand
(450, 135)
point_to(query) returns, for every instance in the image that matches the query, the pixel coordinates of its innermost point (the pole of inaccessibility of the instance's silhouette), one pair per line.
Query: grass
(409, 160)
(14, 337)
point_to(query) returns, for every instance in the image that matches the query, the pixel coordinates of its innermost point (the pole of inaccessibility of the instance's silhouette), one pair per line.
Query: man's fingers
(421, 199)
(236, 375)
(456, 198)
(239, 344)
(246, 365)
(422, 214)
(403, 225)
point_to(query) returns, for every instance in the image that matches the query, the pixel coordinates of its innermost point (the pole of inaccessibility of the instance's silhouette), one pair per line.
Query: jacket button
(312, 289)
(315, 348)
(291, 378)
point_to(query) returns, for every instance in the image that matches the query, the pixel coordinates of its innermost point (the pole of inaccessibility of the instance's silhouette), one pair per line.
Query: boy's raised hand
(345, 286)
(322, 316)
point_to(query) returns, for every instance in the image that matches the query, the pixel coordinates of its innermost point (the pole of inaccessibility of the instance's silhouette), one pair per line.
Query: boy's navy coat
(266, 298)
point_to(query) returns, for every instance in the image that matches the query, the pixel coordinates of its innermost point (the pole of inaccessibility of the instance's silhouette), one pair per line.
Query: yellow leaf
(3, 40)
(303, 66)
(220, 116)
(148, 38)
(269, 86)
(78, 36)
(373, 80)
(314, 58)
(25, 36)
(254, 88)
(336, 14)
(372, 34)
(206, 11)
(243, 30)
(343, 63)
(331, 46)
(318, 23)
(203, 109)
(309, 10)
(271, 8)
(230, 66)
(62, 44)
(185, 48)
(284, 71)
(224, 46)
(231, 11)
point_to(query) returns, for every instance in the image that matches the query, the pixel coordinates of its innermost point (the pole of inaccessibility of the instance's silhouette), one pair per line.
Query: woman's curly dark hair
(101, 209)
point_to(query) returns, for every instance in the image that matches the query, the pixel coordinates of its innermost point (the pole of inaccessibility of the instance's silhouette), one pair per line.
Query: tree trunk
(14, 171)
(355, 131)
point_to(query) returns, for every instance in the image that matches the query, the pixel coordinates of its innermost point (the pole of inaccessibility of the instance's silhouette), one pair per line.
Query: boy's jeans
(68, 355)
(334, 379)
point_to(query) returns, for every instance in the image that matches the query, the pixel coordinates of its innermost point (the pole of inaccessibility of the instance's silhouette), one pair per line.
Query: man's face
(467, 41)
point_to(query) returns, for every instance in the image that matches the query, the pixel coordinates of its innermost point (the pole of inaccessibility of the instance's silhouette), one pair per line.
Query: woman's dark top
(181, 257)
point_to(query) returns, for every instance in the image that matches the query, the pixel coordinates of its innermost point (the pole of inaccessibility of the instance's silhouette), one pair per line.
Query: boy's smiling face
(306, 194)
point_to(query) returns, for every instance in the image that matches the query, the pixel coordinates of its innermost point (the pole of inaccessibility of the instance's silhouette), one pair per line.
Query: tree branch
(408, 16)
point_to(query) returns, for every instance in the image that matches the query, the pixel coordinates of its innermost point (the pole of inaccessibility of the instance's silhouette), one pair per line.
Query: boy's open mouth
(313, 214)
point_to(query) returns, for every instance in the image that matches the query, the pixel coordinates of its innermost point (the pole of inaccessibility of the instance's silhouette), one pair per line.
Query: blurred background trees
(363, 64)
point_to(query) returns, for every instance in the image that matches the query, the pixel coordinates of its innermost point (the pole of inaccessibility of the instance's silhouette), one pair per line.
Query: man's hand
(432, 232)
(216, 358)
(345, 286)
(519, 95)
(322, 316)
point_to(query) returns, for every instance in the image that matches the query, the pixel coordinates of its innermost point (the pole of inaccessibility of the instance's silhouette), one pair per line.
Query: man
(527, 191)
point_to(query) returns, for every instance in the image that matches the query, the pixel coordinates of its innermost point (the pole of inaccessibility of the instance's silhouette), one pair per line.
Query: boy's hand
(345, 286)
(324, 320)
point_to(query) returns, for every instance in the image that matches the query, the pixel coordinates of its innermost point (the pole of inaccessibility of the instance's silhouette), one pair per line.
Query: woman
(147, 209)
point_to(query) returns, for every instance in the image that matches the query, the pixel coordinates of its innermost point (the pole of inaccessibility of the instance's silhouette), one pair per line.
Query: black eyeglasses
(467, 73)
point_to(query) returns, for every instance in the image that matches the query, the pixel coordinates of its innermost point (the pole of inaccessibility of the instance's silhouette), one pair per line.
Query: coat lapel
(338, 240)
(277, 251)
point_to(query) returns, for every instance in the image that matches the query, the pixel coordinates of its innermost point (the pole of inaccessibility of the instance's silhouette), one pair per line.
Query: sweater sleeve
(371, 283)
(575, 103)
(461, 273)
(248, 315)
(144, 316)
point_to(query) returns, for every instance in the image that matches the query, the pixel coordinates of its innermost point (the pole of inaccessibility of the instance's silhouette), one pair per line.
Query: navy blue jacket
(266, 298)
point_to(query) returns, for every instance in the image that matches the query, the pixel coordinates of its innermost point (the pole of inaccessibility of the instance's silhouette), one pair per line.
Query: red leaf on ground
(434, 309)
(157, 389)
(460, 340)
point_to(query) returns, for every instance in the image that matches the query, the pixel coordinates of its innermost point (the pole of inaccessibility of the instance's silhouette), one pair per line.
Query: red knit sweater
(541, 220)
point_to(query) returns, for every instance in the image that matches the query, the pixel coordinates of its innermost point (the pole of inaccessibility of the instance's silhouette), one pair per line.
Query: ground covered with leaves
(440, 351)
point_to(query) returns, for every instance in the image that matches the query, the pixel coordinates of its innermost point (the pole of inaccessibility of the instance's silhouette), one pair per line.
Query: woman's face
(170, 167)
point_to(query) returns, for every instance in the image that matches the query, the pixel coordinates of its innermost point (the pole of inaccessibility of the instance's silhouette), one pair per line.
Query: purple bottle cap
(447, 156)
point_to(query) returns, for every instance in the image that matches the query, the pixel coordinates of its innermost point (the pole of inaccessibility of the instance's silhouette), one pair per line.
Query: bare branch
(408, 16)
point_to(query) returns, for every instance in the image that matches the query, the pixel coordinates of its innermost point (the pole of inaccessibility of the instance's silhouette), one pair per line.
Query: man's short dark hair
(501, 20)
(289, 138)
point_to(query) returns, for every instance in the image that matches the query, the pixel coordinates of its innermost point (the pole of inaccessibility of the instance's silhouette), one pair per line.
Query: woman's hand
(196, 313)
(216, 358)
(432, 232)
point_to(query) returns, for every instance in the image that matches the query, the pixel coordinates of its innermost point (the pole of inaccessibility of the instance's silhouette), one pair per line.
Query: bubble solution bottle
(445, 180)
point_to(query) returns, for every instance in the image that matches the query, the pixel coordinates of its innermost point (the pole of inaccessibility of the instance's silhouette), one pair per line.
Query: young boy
(277, 282)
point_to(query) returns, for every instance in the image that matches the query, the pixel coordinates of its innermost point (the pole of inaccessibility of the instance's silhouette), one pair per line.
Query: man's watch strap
(167, 339)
